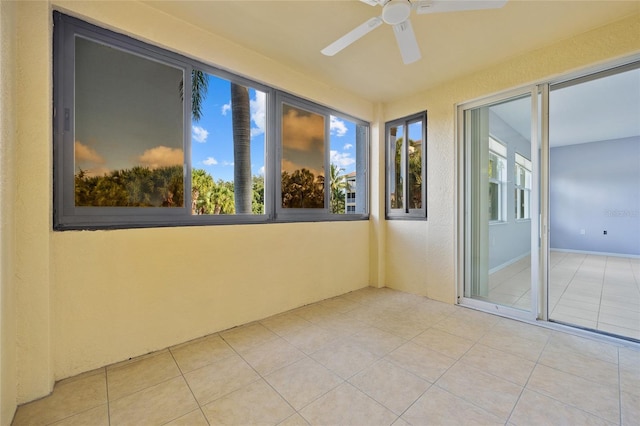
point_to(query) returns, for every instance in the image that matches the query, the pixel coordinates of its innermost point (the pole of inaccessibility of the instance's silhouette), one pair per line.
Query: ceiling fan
(396, 13)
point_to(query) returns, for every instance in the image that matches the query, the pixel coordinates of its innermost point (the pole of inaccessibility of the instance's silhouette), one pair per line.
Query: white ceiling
(452, 44)
(602, 109)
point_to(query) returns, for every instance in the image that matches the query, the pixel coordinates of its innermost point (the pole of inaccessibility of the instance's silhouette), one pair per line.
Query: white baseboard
(596, 253)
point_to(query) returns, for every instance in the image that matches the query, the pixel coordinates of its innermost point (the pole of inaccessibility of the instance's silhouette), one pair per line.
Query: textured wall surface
(430, 268)
(85, 299)
(8, 364)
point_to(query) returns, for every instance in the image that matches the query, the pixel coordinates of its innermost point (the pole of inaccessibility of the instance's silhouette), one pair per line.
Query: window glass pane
(415, 165)
(396, 137)
(227, 147)
(128, 149)
(303, 153)
(494, 201)
(347, 192)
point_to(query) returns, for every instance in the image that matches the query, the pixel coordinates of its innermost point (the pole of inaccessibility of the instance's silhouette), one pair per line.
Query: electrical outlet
(582, 232)
(604, 233)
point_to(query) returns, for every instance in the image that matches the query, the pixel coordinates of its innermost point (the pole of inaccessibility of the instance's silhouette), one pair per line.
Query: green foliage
(199, 88)
(135, 187)
(397, 201)
(338, 185)
(162, 187)
(257, 203)
(415, 174)
(302, 189)
(210, 197)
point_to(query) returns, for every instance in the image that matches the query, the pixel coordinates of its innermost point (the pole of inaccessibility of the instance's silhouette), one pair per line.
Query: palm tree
(337, 186)
(199, 87)
(241, 116)
(243, 188)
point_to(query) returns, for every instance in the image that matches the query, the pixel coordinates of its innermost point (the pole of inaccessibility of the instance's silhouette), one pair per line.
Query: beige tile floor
(591, 291)
(370, 357)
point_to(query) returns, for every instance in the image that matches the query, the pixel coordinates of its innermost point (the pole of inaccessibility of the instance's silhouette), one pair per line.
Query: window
(146, 137)
(227, 147)
(497, 171)
(406, 167)
(523, 187)
(313, 140)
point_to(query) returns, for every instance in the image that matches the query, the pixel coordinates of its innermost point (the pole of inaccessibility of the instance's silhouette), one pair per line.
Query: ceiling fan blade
(439, 6)
(407, 42)
(351, 36)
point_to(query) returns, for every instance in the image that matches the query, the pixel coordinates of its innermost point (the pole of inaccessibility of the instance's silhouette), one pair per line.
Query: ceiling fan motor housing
(396, 11)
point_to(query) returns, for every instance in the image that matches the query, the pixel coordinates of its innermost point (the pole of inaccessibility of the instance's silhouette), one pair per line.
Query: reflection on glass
(396, 137)
(227, 149)
(415, 165)
(499, 254)
(128, 130)
(303, 139)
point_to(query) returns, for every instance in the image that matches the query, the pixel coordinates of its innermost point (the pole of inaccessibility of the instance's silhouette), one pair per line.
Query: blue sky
(148, 111)
(212, 136)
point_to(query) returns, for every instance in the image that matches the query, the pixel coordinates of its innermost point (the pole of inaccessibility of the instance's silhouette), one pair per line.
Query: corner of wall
(8, 361)
(377, 225)
(31, 201)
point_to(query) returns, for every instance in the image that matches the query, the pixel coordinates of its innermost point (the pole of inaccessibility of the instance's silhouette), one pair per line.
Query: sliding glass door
(594, 202)
(500, 203)
(549, 197)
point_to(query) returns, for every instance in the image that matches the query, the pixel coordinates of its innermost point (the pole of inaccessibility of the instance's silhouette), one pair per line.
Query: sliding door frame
(539, 196)
(464, 197)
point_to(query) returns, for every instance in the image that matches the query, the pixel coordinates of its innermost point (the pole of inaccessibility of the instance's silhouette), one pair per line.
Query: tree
(201, 184)
(415, 174)
(240, 109)
(199, 88)
(397, 202)
(337, 187)
(301, 189)
(221, 198)
(257, 205)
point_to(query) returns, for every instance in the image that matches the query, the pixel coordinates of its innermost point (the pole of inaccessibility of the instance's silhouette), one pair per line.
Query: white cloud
(347, 146)
(258, 108)
(210, 161)
(86, 153)
(226, 108)
(261, 171)
(199, 134)
(161, 156)
(227, 163)
(342, 159)
(337, 126)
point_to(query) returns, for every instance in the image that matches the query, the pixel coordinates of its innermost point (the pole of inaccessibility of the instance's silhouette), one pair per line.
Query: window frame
(314, 214)
(500, 181)
(522, 189)
(406, 213)
(67, 216)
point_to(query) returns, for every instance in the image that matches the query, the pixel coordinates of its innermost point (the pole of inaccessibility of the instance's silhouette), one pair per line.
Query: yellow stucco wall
(119, 294)
(8, 372)
(421, 256)
(86, 299)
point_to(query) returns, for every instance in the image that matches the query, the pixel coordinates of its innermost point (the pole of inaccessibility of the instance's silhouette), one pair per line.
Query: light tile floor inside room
(369, 357)
(591, 291)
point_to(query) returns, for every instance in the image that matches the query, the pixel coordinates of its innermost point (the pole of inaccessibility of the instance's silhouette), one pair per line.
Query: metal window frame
(406, 213)
(66, 216)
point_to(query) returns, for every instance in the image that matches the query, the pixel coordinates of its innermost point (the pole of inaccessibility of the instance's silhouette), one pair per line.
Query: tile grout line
(106, 384)
(190, 390)
(619, 389)
(524, 387)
